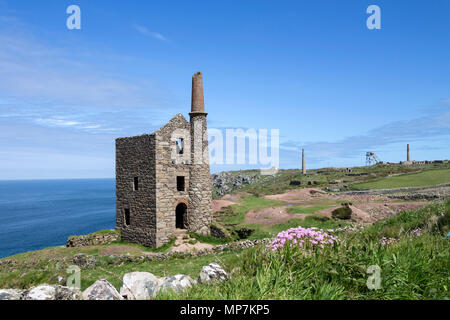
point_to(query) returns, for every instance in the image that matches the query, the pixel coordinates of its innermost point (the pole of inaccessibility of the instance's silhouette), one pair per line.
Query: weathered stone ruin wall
(169, 165)
(135, 157)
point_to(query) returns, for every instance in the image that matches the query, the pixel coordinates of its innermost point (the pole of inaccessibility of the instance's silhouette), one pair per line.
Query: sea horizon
(51, 179)
(40, 213)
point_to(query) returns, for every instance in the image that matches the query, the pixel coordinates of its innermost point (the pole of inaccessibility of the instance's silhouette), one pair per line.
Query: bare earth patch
(235, 197)
(305, 194)
(366, 209)
(182, 243)
(271, 216)
(218, 205)
(110, 250)
(226, 200)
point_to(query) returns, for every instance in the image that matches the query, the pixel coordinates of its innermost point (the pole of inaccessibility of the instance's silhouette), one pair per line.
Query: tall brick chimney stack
(199, 215)
(407, 153)
(198, 101)
(303, 162)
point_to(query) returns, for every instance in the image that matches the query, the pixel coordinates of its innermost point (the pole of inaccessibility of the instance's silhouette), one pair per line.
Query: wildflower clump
(387, 241)
(303, 237)
(417, 232)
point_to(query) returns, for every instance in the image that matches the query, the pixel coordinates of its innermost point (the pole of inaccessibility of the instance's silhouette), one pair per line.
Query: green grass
(33, 270)
(412, 268)
(280, 182)
(164, 248)
(306, 210)
(209, 239)
(422, 179)
(234, 217)
(235, 214)
(268, 231)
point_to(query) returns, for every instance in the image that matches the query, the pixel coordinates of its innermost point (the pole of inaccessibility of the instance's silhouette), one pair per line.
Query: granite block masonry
(163, 179)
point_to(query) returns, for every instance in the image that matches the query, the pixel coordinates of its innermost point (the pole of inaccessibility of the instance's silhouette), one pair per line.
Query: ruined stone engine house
(163, 179)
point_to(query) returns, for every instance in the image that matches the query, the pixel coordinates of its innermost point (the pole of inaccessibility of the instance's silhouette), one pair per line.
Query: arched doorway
(180, 213)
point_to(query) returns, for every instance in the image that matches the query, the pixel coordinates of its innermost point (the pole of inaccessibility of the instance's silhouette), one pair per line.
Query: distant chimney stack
(198, 102)
(407, 153)
(303, 162)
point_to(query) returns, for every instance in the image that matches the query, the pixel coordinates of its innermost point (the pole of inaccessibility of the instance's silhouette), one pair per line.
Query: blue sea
(37, 214)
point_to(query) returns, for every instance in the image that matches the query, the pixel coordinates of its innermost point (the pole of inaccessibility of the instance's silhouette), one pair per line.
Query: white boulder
(101, 290)
(68, 293)
(10, 294)
(212, 273)
(41, 292)
(139, 286)
(176, 283)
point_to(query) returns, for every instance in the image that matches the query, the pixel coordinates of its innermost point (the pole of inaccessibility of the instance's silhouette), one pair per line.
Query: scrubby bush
(320, 218)
(343, 213)
(243, 233)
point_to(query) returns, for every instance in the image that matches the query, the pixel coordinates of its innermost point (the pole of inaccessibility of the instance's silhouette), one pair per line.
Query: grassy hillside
(233, 217)
(422, 179)
(45, 266)
(413, 266)
(340, 177)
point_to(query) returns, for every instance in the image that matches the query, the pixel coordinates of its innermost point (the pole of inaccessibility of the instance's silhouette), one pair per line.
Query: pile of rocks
(226, 182)
(218, 231)
(93, 239)
(83, 260)
(42, 292)
(424, 194)
(135, 286)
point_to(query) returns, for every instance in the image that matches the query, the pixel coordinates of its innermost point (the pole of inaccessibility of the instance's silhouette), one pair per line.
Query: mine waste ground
(392, 216)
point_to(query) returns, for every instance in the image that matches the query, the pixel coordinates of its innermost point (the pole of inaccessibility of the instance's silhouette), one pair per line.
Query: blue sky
(311, 69)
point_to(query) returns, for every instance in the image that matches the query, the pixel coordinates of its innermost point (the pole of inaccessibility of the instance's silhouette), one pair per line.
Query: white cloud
(144, 31)
(47, 74)
(436, 124)
(75, 124)
(58, 122)
(53, 85)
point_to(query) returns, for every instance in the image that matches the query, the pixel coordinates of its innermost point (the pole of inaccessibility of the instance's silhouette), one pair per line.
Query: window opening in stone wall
(127, 216)
(180, 213)
(180, 183)
(180, 145)
(136, 184)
